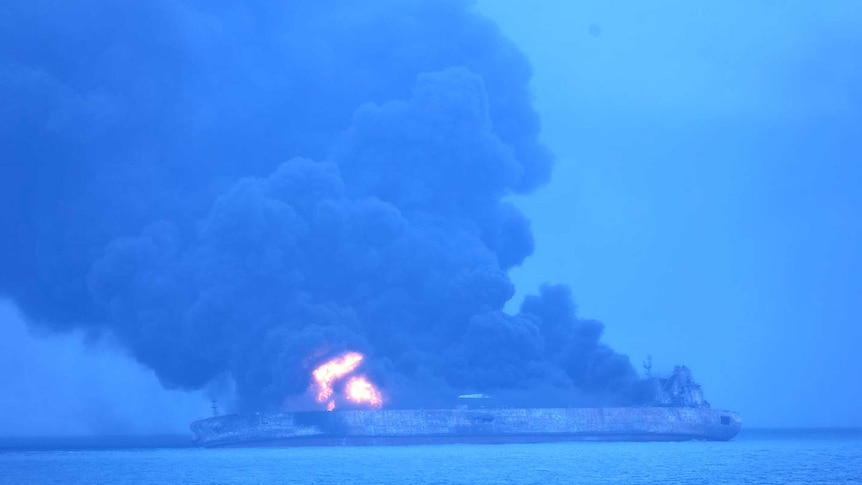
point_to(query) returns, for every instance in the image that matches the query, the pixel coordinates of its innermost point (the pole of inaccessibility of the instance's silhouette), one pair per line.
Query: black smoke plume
(242, 189)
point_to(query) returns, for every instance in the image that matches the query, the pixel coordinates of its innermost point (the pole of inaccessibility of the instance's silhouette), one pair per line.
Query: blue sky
(706, 199)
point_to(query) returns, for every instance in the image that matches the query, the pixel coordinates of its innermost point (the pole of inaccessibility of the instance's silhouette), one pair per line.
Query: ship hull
(410, 427)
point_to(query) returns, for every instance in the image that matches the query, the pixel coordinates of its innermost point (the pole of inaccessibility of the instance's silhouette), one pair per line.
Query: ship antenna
(648, 365)
(214, 407)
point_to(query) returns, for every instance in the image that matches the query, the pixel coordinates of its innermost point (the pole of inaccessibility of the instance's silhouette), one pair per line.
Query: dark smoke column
(242, 191)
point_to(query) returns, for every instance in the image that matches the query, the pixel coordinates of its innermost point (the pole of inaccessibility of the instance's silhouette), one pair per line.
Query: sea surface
(756, 456)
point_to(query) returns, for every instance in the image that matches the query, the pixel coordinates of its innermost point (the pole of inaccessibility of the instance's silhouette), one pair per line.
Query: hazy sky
(704, 205)
(707, 195)
(59, 385)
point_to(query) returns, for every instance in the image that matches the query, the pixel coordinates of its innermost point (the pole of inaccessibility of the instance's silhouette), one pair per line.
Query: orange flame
(332, 370)
(359, 390)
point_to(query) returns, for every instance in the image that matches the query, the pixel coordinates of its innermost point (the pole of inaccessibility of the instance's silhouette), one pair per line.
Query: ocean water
(785, 457)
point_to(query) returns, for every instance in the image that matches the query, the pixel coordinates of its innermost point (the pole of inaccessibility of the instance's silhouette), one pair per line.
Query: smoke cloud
(240, 191)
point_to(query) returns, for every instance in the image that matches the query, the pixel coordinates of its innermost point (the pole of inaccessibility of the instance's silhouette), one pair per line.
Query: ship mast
(648, 365)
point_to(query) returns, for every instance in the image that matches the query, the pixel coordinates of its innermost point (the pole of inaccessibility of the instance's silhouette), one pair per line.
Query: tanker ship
(677, 412)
